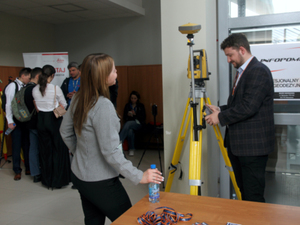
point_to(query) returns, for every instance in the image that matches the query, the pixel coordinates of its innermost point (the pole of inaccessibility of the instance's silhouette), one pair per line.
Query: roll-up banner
(59, 60)
(284, 62)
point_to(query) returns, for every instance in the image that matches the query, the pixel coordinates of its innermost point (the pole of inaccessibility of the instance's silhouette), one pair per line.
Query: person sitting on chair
(134, 116)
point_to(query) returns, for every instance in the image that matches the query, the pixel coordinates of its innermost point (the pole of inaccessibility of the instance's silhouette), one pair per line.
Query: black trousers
(249, 172)
(20, 139)
(102, 198)
(54, 154)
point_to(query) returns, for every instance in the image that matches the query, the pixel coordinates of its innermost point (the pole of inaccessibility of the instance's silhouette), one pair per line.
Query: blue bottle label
(154, 192)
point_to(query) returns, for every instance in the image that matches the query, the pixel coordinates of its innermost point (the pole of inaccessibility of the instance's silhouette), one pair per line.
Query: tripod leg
(141, 158)
(159, 155)
(226, 158)
(227, 162)
(3, 140)
(148, 144)
(195, 159)
(178, 148)
(161, 170)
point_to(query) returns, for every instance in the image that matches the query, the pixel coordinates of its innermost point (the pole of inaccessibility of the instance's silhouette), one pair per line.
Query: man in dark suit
(248, 117)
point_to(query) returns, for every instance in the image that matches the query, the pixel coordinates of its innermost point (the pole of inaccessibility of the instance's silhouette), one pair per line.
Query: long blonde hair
(95, 70)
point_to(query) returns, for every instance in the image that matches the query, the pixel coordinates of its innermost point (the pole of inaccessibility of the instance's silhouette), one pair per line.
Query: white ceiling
(70, 11)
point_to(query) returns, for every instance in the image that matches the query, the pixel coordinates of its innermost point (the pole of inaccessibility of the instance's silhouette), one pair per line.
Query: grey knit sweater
(97, 152)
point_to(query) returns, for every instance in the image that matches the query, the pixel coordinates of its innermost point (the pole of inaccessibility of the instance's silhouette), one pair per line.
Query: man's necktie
(235, 80)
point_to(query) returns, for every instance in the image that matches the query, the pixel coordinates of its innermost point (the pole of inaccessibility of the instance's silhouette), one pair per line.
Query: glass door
(283, 168)
(268, 22)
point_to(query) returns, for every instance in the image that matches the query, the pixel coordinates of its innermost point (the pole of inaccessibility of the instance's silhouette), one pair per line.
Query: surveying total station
(198, 73)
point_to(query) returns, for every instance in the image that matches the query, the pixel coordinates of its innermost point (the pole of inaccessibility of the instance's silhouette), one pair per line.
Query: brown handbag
(60, 110)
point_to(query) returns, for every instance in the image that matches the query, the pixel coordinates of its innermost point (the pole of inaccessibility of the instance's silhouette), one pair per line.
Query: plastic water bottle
(234, 197)
(153, 189)
(8, 131)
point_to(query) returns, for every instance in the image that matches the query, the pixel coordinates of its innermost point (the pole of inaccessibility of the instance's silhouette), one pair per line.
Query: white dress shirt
(10, 92)
(46, 103)
(242, 68)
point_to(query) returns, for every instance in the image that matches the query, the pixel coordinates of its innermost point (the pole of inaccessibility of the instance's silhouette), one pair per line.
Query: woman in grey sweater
(90, 129)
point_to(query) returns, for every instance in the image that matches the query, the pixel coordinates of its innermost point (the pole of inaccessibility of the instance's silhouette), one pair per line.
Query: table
(215, 211)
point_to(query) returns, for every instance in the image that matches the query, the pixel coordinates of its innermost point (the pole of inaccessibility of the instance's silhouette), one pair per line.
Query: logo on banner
(60, 60)
(280, 60)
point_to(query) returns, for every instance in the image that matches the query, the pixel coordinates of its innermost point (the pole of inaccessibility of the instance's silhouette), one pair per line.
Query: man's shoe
(37, 178)
(17, 176)
(131, 152)
(27, 172)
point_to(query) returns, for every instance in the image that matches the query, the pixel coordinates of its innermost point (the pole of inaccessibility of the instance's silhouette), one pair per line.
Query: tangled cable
(168, 217)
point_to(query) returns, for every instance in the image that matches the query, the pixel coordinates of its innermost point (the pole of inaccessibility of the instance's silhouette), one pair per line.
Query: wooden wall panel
(5, 72)
(147, 80)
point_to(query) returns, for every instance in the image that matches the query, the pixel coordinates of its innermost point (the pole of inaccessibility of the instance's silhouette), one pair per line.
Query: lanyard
(75, 85)
(167, 217)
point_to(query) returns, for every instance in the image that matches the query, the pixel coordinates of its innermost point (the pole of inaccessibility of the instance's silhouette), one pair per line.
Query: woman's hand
(129, 114)
(152, 175)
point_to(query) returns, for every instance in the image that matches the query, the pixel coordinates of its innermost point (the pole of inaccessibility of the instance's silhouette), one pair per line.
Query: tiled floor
(26, 203)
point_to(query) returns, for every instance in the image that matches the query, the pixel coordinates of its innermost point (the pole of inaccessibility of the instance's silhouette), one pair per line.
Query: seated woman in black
(134, 116)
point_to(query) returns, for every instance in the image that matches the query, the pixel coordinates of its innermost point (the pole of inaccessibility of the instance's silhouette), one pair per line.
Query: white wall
(175, 13)
(20, 35)
(130, 41)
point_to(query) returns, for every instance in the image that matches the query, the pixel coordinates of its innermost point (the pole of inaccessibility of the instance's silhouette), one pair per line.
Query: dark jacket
(64, 88)
(249, 115)
(139, 111)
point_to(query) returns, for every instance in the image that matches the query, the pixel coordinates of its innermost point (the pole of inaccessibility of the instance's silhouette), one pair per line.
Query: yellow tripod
(199, 64)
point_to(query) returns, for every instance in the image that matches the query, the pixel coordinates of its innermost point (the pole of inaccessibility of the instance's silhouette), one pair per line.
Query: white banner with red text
(59, 60)
(284, 62)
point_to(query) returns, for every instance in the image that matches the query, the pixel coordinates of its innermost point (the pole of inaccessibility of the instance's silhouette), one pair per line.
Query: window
(246, 8)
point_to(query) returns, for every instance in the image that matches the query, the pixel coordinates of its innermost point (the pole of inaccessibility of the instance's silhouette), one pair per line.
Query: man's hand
(70, 94)
(213, 118)
(216, 108)
(12, 126)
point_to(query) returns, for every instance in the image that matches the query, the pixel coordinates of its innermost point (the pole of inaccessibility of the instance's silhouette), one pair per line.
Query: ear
(242, 50)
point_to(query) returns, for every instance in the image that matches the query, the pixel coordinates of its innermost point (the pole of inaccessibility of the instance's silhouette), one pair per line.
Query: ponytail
(47, 71)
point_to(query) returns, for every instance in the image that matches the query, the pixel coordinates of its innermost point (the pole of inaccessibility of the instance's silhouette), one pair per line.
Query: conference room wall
(130, 40)
(19, 35)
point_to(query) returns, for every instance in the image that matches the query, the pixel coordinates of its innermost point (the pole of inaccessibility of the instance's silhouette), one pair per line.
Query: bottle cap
(153, 166)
